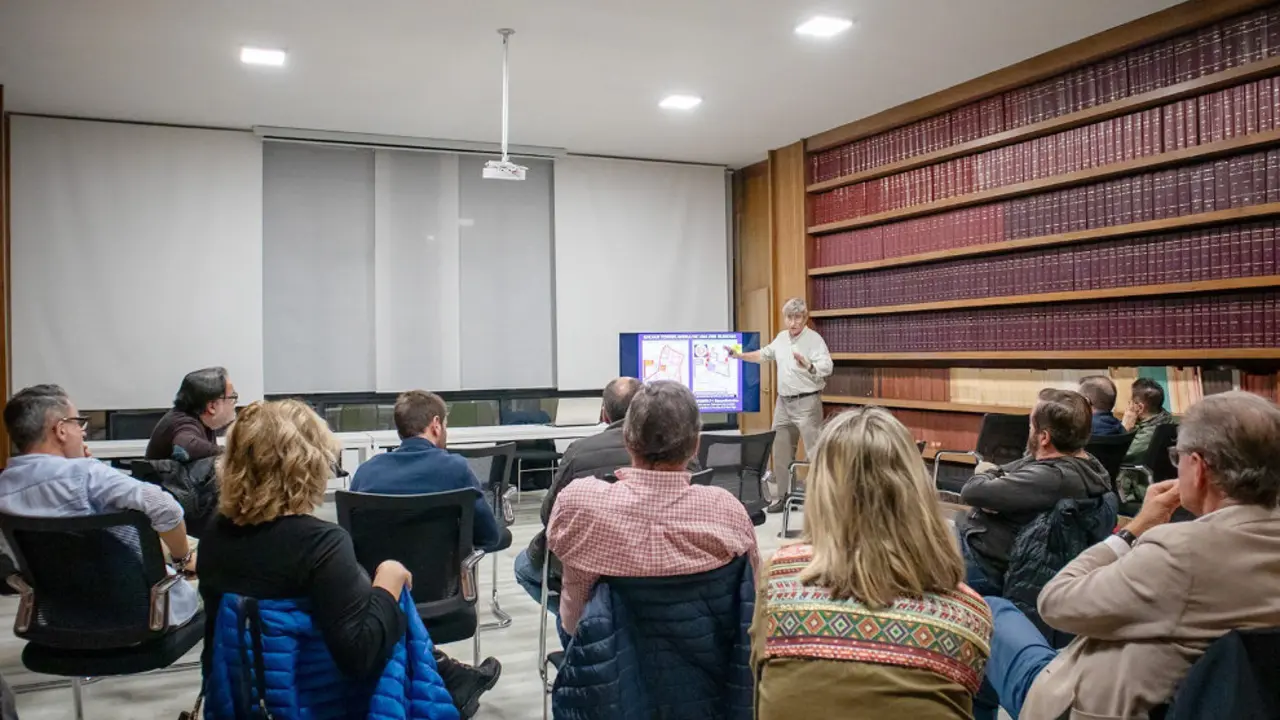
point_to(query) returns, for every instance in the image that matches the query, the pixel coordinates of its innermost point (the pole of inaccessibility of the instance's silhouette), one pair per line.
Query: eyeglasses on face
(80, 420)
(233, 397)
(1175, 454)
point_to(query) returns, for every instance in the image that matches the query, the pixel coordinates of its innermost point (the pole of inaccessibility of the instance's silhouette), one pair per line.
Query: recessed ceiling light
(262, 56)
(823, 26)
(680, 102)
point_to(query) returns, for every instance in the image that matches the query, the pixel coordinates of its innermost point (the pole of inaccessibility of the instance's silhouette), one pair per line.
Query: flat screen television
(699, 361)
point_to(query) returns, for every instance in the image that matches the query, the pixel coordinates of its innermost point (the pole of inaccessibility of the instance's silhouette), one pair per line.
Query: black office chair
(94, 598)
(739, 464)
(132, 424)
(702, 477)
(1155, 464)
(537, 458)
(1002, 438)
(1238, 677)
(493, 466)
(1110, 451)
(430, 534)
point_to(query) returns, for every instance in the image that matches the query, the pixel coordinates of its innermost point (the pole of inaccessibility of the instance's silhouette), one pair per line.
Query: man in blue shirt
(422, 465)
(1100, 391)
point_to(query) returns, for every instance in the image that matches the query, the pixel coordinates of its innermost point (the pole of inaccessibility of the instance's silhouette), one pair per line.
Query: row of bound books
(1239, 320)
(1238, 41)
(1210, 254)
(1240, 181)
(1018, 389)
(1243, 110)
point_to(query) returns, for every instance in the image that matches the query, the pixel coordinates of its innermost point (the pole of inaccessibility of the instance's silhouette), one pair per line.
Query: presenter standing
(804, 363)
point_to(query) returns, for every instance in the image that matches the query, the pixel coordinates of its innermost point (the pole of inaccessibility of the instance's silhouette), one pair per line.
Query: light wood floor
(516, 697)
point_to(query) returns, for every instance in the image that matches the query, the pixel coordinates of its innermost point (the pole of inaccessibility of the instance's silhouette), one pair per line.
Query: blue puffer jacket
(302, 680)
(669, 648)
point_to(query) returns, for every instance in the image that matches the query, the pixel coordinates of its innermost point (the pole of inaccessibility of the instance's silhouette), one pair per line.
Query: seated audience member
(1147, 602)
(265, 544)
(205, 403)
(422, 465)
(652, 522)
(1145, 413)
(594, 456)
(876, 551)
(1101, 393)
(1005, 499)
(53, 476)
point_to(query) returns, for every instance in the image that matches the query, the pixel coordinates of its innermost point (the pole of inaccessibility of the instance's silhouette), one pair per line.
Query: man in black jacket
(1005, 499)
(594, 456)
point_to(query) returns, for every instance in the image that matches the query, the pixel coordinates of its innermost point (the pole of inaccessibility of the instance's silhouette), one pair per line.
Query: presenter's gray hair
(795, 307)
(663, 424)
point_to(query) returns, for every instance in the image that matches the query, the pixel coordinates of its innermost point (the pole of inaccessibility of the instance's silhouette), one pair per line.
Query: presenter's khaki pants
(793, 420)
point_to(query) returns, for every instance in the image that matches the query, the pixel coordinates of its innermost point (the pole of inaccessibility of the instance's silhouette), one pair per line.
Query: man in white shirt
(804, 363)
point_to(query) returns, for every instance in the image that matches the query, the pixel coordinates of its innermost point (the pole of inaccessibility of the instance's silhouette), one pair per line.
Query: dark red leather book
(1184, 191)
(1222, 184)
(1258, 185)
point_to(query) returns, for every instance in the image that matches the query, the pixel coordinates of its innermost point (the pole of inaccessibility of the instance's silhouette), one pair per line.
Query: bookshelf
(1172, 158)
(1189, 222)
(1037, 356)
(924, 405)
(1202, 286)
(1106, 111)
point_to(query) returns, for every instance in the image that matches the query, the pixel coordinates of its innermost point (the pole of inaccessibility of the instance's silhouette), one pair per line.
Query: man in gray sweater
(1005, 499)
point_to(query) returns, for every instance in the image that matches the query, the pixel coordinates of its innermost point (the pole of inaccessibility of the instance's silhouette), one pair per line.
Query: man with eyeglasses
(53, 476)
(1147, 602)
(205, 404)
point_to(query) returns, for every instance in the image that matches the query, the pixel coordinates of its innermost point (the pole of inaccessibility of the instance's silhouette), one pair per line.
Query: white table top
(124, 449)
(498, 434)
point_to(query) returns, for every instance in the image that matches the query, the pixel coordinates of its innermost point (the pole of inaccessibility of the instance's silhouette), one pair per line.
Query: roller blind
(639, 246)
(137, 257)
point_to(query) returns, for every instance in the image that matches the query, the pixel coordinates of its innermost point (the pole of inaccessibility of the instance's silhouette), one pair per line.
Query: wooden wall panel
(753, 274)
(1156, 26)
(790, 266)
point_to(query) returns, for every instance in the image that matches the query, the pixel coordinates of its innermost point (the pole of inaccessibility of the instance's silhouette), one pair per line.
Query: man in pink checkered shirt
(652, 522)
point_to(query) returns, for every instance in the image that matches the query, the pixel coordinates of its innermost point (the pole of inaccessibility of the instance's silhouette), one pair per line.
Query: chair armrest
(470, 585)
(26, 605)
(160, 602)
(949, 497)
(958, 453)
(508, 514)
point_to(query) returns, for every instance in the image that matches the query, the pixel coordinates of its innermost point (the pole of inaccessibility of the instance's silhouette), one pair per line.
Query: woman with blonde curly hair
(265, 544)
(869, 616)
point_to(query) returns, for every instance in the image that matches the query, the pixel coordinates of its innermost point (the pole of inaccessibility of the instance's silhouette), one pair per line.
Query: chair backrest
(430, 534)
(1110, 451)
(493, 467)
(702, 477)
(1238, 677)
(91, 579)
(1002, 438)
(1156, 458)
(132, 424)
(738, 464)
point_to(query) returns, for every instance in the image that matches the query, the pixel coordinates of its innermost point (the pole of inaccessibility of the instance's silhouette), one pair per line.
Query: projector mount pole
(506, 34)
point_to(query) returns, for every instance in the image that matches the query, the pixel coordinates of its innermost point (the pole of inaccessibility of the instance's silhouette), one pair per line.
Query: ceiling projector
(504, 170)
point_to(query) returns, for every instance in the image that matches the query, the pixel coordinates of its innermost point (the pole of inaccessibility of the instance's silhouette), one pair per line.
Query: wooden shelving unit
(1202, 286)
(1098, 113)
(1151, 227)
(924, 405)
(1135, 166)
(1119, 357)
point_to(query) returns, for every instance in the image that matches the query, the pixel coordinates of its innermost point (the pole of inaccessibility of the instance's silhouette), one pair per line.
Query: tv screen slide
(700, 362)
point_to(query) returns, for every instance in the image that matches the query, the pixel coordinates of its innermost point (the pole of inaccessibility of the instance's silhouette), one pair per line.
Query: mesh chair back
(738, 464)
(92, 578)
(493, 466)
(1110, 451)
(1157, 457)
(430, 534)
(1002, 438)
(132, 425)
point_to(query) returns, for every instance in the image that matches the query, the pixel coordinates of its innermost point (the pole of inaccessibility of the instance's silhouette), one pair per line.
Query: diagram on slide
(663, 361)
(713, 370)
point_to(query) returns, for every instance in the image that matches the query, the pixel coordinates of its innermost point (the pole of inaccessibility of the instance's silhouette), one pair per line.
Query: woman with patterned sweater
(869, 617)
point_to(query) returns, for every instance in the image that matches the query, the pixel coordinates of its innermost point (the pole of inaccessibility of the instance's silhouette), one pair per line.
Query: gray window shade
(318, 322)
(505, 269)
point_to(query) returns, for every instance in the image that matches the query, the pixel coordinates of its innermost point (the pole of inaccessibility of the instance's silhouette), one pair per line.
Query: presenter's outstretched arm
(751, 357)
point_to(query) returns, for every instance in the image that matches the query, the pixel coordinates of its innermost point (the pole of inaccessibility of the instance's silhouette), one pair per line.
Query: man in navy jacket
(1100, 391)
(422, 465)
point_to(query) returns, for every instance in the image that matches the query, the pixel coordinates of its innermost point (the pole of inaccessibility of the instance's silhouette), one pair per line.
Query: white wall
(137, 257)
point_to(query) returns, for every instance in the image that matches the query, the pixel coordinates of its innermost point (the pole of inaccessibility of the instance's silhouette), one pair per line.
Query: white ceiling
(586, 74)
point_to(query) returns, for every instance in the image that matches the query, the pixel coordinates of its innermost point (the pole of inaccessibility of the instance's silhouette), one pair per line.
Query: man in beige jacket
(1148, 601)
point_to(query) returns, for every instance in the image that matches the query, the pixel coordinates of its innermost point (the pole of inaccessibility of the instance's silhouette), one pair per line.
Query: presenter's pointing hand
(732, 352)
